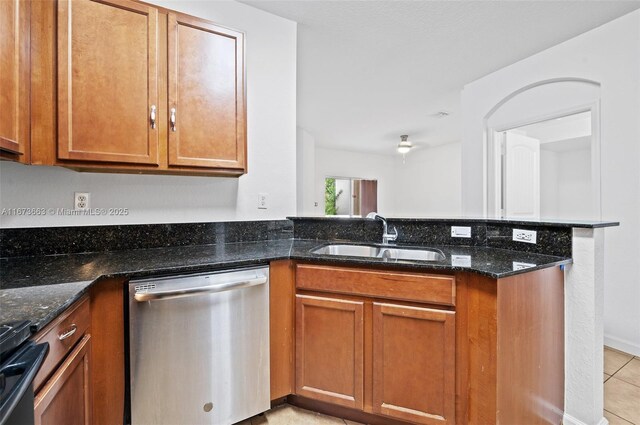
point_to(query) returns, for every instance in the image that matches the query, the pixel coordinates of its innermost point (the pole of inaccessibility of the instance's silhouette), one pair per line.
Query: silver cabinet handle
(152, 116)
(186, 292)
(68, 333)
(172, 119)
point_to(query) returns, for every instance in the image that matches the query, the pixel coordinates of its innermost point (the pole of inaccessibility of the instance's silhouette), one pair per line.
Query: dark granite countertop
(585, 224)
(41, 287)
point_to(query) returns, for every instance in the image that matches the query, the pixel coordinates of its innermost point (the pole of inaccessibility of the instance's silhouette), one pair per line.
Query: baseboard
(622, 345)
(570, 420)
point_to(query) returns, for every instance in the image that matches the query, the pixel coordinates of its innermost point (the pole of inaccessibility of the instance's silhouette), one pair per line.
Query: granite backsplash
(551, 240)
(25, 242)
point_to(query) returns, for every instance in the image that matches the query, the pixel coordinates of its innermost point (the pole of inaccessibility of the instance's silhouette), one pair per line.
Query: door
(66, 397)
(521, 178)
(368, 197)
(414, 363)
(206, 94)
(14, 75)
(107, 81)
(329, 350)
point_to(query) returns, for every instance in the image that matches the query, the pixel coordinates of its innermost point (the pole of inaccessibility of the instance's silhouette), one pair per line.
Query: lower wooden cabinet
(66, 397)
(329, 350)
(414, 363)
(411, 351)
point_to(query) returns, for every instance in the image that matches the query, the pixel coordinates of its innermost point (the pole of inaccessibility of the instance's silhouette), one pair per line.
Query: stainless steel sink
(375, 251)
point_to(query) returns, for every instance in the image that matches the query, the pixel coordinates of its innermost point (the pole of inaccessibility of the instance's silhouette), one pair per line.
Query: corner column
(584, 330)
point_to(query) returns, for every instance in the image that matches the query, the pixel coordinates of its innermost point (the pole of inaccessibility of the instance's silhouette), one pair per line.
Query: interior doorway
(548, 169)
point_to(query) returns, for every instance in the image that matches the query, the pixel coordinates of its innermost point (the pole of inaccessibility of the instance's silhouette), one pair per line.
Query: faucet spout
(386, 235)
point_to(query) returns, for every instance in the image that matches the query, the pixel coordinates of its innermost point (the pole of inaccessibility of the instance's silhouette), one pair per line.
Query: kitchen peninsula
(473, 336)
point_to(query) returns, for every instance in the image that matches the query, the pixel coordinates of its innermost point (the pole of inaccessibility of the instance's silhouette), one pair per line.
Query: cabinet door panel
(14, 75)
(66, 398)
(206, 89)
(107, 81)
(414, 363)
(329, 350)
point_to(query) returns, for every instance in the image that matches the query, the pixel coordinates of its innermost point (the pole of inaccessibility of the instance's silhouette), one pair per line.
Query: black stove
(12, 335)
(20, 360)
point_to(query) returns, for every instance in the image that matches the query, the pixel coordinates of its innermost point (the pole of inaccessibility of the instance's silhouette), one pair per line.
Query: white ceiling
(369, 71)
(558, 129)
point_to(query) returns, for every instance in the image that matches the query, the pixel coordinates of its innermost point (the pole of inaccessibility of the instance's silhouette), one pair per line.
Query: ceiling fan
(405, 146)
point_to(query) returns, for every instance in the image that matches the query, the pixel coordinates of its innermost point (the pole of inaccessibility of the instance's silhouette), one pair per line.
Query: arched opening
(543, 152)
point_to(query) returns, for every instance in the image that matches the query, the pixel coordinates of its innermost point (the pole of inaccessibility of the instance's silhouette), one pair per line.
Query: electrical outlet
(460, 260)
(262, 201)
(527, 236)
(519, 266)
(81, 201)
(460, 232)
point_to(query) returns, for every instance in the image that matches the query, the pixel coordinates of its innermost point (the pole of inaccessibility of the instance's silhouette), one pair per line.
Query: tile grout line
(618, 370)
(618, 416)
(626, 382)
(622, 380)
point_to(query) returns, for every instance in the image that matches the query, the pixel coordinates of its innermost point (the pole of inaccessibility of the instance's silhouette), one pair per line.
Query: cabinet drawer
(66, 398)
(433, 289)
(62, 335)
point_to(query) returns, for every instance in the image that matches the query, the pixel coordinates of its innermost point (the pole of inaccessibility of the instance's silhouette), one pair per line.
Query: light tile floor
(621, 388)
(291, 415)
(621, 398)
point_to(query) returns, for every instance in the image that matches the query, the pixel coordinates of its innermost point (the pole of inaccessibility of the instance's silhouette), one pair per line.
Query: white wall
(426, 185)
(306, 174)
(609, 55)
(574, 185)
(271, 110)
(548, 183)
(429, 182)
(565, 184)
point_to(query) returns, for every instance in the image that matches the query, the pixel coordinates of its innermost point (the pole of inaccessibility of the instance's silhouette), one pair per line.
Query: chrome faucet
(386, 236)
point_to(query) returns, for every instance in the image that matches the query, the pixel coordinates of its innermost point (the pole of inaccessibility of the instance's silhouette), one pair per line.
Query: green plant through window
(331, 196)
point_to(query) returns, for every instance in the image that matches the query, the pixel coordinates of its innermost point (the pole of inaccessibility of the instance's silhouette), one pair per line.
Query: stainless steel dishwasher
(199, 348)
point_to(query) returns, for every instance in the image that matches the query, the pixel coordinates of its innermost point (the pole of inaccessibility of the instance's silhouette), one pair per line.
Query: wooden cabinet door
(66, 397)
(414, 363)
(14, 75)
(329, 350)
(107, 81)
(206, 94)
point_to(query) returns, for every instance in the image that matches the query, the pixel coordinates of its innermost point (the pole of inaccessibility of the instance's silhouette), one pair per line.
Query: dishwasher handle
(198, 290)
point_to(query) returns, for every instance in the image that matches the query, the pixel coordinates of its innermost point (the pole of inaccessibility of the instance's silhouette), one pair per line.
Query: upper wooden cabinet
(121, 85)
(107, 81)
(14, 76)
(206, 94)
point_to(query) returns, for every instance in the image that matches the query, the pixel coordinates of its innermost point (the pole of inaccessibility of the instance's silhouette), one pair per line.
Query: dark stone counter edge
(323, 259)
(467, 220)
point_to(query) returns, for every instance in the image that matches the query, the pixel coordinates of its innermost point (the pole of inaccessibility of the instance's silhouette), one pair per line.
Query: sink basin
(375, 251)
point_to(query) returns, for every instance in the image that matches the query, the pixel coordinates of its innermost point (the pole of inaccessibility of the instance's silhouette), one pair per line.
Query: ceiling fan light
(405, 145)
(404, 148)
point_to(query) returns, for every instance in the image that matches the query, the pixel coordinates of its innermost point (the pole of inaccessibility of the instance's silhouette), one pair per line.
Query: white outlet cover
(262, 201)
(460, 232)
(461, 260)
(81, 201)
(526, 236)
(519, 266)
